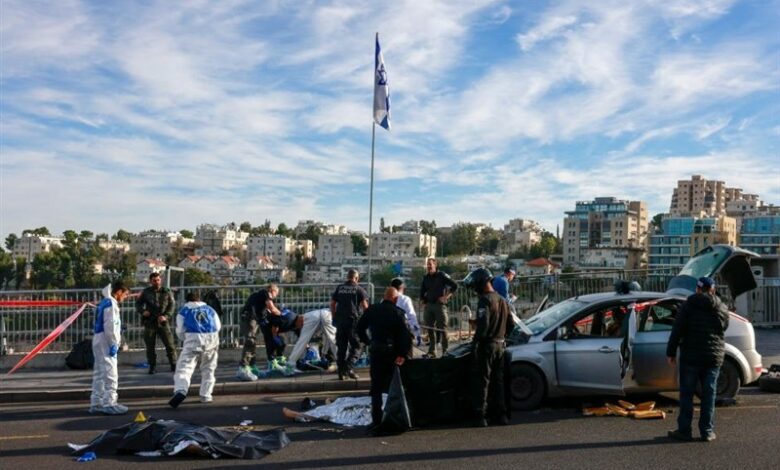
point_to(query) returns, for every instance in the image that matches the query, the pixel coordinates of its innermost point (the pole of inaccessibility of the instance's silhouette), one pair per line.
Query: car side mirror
(563, 332)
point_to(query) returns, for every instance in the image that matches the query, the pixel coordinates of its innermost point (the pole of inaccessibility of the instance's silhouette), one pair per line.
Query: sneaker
(352, 375)
(430, 355)
(255, 370)
(331, 368)
(679, 436)
(206, 399)
(178, 397)
(246, 375)
(709, 437)
(275, 365)
(95, 410)
(114, 410)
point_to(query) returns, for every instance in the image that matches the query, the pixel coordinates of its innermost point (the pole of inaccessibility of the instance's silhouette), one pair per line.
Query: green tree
(7, 272)
(359, 244)
(245, 227)
(186, 233)
(10, 241)
(655, 222)
(285, 231)
(42, 231)
(489, 240)
(101, 237)
(86, 236)
(312, 233)
(463, 239)
(122, 235)
(428, 228)
(196, 277)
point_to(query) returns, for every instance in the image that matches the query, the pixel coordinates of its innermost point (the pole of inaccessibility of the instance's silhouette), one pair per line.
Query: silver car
(615, 343)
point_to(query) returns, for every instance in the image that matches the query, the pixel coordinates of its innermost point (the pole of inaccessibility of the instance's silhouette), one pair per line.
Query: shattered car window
(705, 263)
(554, 315)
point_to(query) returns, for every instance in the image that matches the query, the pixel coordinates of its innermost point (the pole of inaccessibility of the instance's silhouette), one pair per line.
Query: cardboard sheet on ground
(169, 437)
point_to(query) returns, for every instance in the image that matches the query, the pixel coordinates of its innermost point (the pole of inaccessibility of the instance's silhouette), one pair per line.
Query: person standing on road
(105, 348)
(197, 325)
(493, 324)
(156, 306)
(257, 309)
(390, 343)
(435, 291)
(348, 301)
(699, 331)
(404, 302)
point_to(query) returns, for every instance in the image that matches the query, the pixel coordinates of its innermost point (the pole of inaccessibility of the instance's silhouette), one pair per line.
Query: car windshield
(543, 320)
(706, 262)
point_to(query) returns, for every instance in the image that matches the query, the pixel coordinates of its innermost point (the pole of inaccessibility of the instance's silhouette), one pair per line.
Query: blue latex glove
(113, 350)
(278, 340)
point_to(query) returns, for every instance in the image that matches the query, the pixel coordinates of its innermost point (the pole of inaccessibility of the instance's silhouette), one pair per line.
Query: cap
(510, 270)
(705, 283)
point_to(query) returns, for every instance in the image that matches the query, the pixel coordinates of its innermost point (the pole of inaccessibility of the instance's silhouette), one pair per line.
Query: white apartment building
(699, 197)
(279, 248)
(145, 268)
(156, 245)
(402, 245)
(29, 245)
(213, 239)
(332, 249)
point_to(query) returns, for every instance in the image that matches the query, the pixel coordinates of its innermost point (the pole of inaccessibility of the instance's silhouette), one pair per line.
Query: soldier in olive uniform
(156, 307)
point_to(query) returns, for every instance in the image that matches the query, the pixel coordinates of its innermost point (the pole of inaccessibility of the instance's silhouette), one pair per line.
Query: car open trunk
(728, 264)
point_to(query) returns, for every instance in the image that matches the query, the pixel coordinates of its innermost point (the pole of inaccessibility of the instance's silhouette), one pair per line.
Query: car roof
(606, 296)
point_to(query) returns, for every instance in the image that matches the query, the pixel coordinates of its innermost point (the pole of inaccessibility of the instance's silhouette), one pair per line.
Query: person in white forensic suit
(307, 326)
(105, 348)
(197, 325)
(404, 302)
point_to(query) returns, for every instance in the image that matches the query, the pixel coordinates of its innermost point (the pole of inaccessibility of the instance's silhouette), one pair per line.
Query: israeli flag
(381, 89)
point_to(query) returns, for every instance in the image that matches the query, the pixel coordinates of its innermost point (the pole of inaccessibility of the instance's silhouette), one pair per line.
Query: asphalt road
(35, 436)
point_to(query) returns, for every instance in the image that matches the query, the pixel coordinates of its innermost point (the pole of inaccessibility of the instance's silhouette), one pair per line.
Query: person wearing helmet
(493, 324)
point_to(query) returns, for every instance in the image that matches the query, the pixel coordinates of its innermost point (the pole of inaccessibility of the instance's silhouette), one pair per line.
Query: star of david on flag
(381, 89)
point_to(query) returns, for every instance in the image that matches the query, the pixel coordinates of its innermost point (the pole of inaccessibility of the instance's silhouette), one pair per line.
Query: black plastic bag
(81, 356)
(396, 418)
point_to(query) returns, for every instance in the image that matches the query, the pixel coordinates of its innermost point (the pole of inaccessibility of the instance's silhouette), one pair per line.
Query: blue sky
(165, 115)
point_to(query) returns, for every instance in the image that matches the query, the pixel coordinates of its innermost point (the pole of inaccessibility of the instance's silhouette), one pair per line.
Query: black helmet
(477, 279)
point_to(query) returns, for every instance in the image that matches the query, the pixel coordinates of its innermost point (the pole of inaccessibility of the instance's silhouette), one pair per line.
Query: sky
(165, 115)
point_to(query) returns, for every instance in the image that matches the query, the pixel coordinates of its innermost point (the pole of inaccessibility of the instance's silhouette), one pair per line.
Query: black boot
(152, 369)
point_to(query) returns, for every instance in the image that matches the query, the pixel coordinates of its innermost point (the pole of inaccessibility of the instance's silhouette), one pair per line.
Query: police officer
(435, 291)
(493, 324)
(257, 309)
(198, 325)
(390, 344)
(156, 306)
(346, 305)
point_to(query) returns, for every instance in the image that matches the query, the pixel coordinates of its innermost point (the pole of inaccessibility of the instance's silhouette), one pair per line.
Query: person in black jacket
(390, 344)
(348, 301)
(493, 324)
(435, 291)
(699, 331)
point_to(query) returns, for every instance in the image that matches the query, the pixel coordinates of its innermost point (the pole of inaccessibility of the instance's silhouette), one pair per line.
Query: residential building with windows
(519, 234)
(146, 267)
(699, 197)
(402, 245)
(333, 249)
(682, 237)
(606, 232)
(279, 248)
(29, 245)
(157, 244)
(215, 240)
(761, 234)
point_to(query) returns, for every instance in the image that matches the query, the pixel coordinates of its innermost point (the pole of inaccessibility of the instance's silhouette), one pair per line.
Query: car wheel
(526, 388)
(728, 382)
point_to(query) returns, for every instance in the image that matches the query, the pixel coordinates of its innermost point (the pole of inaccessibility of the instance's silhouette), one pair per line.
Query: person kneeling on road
(306, 327)
(198, 326)
(389, 345)
(105, 347)
(493, 324)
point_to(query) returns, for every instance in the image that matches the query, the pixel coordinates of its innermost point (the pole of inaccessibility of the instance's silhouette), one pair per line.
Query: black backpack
(81, 357)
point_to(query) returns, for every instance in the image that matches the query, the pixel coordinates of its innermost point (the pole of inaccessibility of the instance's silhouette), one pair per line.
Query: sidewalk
(65, 384)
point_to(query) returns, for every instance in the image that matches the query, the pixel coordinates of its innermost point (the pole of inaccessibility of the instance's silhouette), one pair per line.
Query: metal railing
(21, 328)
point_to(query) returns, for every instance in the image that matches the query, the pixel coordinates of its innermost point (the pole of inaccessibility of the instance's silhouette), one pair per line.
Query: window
(659, 317)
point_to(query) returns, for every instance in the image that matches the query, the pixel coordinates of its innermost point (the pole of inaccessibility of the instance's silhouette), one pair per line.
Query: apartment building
(519, 234)
(144, 268)
(29, 245)
(760, 233)
(402, 245)
(157, 244)
(333, 249)
(214, 240)
(279, 248)
(604, 224)
(681, 237)
(699, 197)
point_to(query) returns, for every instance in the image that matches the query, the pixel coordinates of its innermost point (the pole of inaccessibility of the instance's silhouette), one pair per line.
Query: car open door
(649, 334)
(586, 361)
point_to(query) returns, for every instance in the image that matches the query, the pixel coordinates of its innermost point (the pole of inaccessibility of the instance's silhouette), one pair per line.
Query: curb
(223, 388)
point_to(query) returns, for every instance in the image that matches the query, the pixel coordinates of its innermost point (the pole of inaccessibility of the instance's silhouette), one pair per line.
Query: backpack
(81, 357)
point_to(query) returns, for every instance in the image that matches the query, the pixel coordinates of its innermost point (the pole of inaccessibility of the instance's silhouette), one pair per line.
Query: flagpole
(371, 199)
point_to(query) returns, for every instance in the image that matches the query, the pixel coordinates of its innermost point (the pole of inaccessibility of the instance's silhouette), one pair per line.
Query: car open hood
(728, 264)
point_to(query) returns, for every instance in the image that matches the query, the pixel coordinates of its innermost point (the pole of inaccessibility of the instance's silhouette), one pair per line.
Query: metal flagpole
(371, 200)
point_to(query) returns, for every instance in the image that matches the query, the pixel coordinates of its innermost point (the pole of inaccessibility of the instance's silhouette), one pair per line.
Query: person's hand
(399, 361)
(443, 299)
(146, 313)
(113, 350)
(671, 360)
(161, 320)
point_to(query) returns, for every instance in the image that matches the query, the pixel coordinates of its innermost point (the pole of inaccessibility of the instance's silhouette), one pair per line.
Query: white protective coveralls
(312, 321)
(198, 326)
(108, 325)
